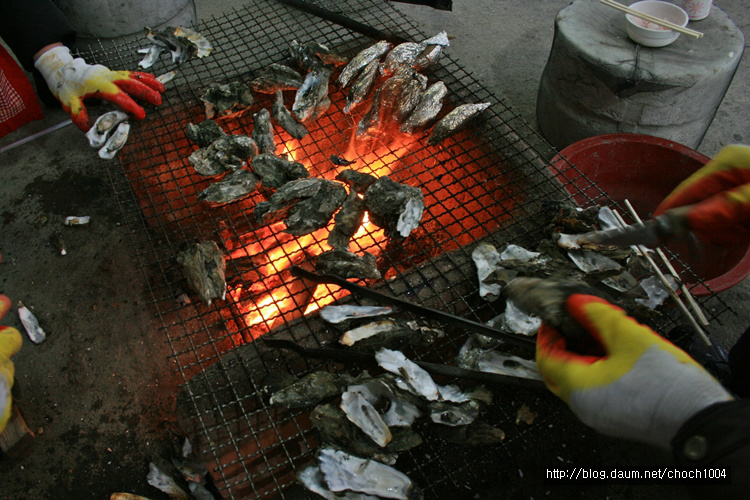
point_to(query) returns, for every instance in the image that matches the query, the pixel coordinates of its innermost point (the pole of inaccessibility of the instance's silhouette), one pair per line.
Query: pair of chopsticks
(642, 250)
(653, 19)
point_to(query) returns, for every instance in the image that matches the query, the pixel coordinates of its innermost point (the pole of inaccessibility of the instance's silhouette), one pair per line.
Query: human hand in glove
(634, 385)
(717, 197)
(10, 343)
(73, 80)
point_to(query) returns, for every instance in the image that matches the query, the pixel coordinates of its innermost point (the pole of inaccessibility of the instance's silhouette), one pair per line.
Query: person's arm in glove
(717, 197)
(10, 343)
(637, 386)
(73, 80)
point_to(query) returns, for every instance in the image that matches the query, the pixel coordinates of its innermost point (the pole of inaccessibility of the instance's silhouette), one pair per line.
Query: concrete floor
(99, 392)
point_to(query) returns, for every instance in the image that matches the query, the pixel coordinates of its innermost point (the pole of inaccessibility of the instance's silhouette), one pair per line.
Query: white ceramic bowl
(652, 35)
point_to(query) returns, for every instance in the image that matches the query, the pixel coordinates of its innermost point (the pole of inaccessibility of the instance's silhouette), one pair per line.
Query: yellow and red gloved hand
(73, 80)
(10, 343)
(719, 197)
(637, 386)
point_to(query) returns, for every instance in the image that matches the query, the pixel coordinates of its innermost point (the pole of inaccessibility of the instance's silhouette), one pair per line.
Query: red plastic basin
(644, 169)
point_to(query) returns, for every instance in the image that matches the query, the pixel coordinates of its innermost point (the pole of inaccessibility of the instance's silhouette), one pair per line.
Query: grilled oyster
(227, 98)
(116, 141)
(419, 55)
(358, 181)
(204, 267)
(312, 96)
(285, 119)
(395, 411)
(225, 153)
(361, 86)
(263, 132)
(417, 380)
(343, 263)
(362, 59)
(305, 204)
(370, 124)
(348, 221)
(427, 108)
(361, 413)
(312, 54)
(276, 171)
(454, 121)
(392, 334)
(276, 77)
(476, 356)
(452, 414)
(204, 133)
(307, 391)
(395, 207)
(401, 93)
(341, 314)
(234, 186)
(103, 126)
(343, 472)
(516, 320)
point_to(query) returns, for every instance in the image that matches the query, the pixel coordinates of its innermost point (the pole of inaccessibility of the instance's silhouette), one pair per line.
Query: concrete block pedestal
(598, 81)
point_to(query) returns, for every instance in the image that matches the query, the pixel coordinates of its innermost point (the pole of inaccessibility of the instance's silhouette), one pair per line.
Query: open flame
(277, 252)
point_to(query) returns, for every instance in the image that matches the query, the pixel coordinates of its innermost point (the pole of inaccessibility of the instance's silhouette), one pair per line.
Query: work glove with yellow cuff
(718, 197)
(73, 80)
(10, 343)
(633, 384)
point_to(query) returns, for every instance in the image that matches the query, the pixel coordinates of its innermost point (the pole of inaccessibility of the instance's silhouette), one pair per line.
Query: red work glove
(638, 386)
(719, 196)
(72, 80)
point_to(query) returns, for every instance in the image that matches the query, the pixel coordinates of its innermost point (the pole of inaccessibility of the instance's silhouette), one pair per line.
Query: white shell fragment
(366, 331)
(410, 217)
(77, 220)
(116, 141)
(589, 261)
(103, 126)
(361, 413)
(161, 481)
(656, 291)
(339, 314)
(30, 324)
(417, 380)
(514, 320)
(347, 472)
(167, 77)
(516, 252)
(487, 260)
(607, 219)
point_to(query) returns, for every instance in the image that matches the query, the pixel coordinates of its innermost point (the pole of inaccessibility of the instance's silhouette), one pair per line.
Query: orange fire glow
(273, 302)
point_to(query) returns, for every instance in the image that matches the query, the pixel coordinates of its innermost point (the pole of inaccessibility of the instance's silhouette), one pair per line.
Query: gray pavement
(99, 393)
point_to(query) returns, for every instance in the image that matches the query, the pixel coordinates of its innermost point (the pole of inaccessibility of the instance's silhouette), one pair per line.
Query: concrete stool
(598, 81)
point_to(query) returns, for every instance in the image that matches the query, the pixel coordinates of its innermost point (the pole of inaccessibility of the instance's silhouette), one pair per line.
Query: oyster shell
(204, 133)
(454, 121)
(311, 99)
(343, 263)
(340, 314)
(116, 141)
(362, 59)
(307, 391)
(263, 132)
(225, 153)
(204, 267)
(395, 207)
(395, 411)
(103, 126)
(361, 86)
(487, 259)
(361, 413)
(285, 119)
(348, 221)
(275, 78)
(276, 171)
(452, 414)
(429, 105)
(224, 99)
(234, 186)
(343, 471)
(417, 380)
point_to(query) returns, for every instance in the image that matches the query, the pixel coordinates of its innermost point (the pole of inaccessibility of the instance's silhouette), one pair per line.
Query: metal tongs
(672, 224)
(349, 355)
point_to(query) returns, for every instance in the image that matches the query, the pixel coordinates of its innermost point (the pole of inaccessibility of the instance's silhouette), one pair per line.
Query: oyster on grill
(340, 314)
(401, 93)
(454, 121)
(432, 51)
(225, 153)
(343, 472)
(276, 171)
(348, 221)
(204, 267)
(361, 86)
(103, 126)
(478, 354)
(307, 391)
(234, 186)
(312, 54)
(392, 334)
(369, 125)
(305, 205)
(276, 77)
(312, 479)
(416, 379)
(343, 263)
(204, 133)
(421, 54)
(396, 411)
(312, 96)
(285, 119)
(263, 132)
(453, 414)
(428, 107)
(116, 141)
(361, 413)
(516, 320)
(358, 181)
(224, 99)
(395, 207)
(362, 59)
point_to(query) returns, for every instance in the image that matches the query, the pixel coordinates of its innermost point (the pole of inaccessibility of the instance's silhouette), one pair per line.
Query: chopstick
(653, 19)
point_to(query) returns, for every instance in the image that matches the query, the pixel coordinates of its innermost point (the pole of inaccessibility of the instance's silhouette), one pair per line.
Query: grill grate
(487, 183)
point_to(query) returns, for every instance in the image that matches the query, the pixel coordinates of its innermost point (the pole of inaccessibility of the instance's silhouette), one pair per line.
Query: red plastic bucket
(644, 169)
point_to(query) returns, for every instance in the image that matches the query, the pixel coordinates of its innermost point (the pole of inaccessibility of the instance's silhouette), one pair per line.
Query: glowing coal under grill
(485, 183)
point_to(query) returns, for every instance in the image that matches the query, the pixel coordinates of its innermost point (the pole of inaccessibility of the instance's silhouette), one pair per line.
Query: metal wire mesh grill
(487, 183)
